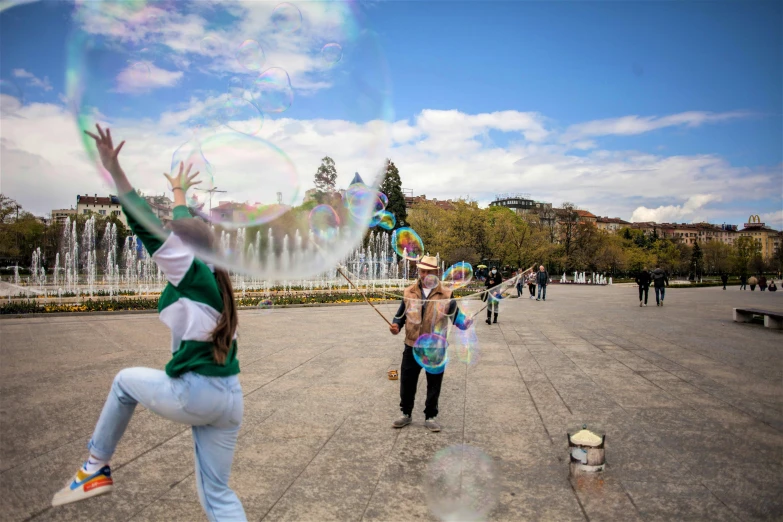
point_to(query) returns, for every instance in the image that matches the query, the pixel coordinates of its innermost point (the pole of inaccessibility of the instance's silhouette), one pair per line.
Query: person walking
(762, 282)
(743, 281)
(542, 279)
(492, 294)
(772, 287)
(643, 279)
(724, 277)
(531, 284)
(520, 282)
(660, 280)
(752, 281)
(200, 386)
(425, 309)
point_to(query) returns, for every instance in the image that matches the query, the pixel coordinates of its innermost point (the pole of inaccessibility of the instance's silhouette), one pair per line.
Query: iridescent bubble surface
(250, 55)
(458, 275)
(431, 352)
(287, 18)
(407, 243)
(461, 483)
(178, 79)
(332, 53)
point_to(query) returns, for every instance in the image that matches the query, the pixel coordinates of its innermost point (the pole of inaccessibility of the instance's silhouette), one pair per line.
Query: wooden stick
(339, 269)
(486, 305)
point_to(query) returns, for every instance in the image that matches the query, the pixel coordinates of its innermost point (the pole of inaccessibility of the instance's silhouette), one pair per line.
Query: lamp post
(211, 191)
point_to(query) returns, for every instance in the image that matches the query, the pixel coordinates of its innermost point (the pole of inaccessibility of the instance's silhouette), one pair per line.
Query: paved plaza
(691, 403)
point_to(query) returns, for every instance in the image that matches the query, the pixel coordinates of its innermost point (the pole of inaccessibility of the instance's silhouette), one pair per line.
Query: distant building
(411, 201)
(161, 206)
(519, 203)
(59, 216)
(767, 239)
(611, 225)
(104, 206)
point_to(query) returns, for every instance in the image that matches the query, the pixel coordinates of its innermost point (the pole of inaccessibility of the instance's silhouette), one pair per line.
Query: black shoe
(488, 321)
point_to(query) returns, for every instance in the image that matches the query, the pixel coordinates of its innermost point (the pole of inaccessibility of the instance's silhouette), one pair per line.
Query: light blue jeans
(542, 290)
(213, 406)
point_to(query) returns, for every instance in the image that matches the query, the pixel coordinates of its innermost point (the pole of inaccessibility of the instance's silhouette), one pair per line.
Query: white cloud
(439, 153)
(33, 80)
(140, 77)
(674, 213)
(632, 125)
(773, 219)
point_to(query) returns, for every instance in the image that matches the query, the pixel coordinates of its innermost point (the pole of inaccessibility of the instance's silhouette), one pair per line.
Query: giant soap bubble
(241, 90)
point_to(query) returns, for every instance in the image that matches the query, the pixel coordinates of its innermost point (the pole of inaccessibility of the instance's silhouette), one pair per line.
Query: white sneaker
(85, 485)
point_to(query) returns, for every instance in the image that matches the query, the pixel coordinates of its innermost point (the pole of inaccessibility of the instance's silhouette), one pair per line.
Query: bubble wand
(340, 271)
(516, 277)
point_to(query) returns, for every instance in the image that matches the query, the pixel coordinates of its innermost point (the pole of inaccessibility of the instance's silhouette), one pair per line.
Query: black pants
(531, 287)
(644, 289)
(409, 379)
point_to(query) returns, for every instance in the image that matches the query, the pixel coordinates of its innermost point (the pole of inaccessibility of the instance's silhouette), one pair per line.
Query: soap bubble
(10, 97)
(431, 352)
(250, 55)
(386, 220)
(211, 99)
(465, 345)
(458, 275)
(211, 45)
(407, 243)
(272, 91)
(383, 199)
(324, 222)
(287, 18)
(332, 53)
(430, 281)
(240, 115)
(461, 484)
(413, 311)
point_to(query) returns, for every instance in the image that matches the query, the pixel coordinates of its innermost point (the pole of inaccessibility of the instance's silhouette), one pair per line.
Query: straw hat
(428, 263)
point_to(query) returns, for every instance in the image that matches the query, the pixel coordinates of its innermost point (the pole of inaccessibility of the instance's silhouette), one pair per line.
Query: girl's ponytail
(223, 335)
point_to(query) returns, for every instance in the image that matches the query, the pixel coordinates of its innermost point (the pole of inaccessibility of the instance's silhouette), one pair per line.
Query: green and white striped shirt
(191, 303)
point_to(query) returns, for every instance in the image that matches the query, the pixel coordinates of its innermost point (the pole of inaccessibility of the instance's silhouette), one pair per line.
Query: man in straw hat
(426, 309)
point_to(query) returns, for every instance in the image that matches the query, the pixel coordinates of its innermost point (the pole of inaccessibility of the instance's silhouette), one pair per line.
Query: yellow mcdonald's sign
(754, 219)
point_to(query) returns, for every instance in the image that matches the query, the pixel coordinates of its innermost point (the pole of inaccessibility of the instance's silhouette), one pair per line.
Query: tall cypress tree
(326, 176)
(392, 187)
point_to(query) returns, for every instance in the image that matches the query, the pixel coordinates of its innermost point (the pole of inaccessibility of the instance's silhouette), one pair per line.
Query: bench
(771, 319)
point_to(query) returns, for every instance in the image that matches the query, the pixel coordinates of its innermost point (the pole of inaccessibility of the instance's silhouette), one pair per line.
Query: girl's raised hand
(184, 180)
(106, 150)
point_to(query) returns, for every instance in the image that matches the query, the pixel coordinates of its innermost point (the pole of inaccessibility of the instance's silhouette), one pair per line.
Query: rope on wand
(488, 298)
(340, 270)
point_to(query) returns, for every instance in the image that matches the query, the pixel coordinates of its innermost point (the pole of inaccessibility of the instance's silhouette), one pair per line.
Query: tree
(568, 219)
(716, 257)
(745, 249)
(392, 187)
(326, 176)
(697, 261)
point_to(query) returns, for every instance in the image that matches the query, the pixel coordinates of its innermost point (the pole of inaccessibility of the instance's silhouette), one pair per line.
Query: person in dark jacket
(493, 303)
(762, 283)
(743, 281)
(772, 287)
(724, 279)
(542, 278)
(660, 280)
(643, 279)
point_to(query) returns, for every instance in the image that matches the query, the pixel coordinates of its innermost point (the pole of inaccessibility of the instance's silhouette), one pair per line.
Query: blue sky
(691, 92)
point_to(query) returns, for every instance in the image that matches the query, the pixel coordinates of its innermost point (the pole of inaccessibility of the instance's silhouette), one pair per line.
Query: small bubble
(332, 53)
(211, 45)
(250, 55)
(287, 18)
(272, 91)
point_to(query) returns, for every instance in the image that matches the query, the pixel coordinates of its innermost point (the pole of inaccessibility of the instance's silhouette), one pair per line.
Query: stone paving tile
(691, 402)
